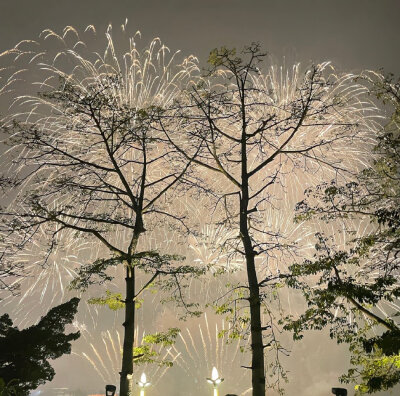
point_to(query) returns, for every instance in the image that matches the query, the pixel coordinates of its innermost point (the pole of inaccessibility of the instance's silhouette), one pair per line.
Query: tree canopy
(25, 353)
(360, 279)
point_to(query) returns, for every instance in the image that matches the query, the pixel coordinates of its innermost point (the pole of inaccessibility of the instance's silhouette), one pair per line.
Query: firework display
(126, 163)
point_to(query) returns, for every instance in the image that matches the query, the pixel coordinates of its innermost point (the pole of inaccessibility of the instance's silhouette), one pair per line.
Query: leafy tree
(90, 161)
(256, 137)
(25, 353)
(146, 353)
(7, 389)
(361, 278)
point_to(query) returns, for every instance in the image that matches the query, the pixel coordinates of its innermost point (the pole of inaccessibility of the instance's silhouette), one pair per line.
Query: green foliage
(9, 389)
(375, 362)
(139, 302)
(114, 301)
(146, 353)
(94, 273)
(231, 306)
(338, 283)
(168, 277)
(25, 353)
(218, 56)
(165, 339)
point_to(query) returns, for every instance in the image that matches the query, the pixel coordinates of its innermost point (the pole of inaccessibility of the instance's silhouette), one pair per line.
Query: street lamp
(215, 380)
(143, 384)
(339, 391)
(110, 390)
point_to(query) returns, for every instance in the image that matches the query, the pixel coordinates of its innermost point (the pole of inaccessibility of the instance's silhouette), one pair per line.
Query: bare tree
(261, 137)
(10, 270)
(88, 160)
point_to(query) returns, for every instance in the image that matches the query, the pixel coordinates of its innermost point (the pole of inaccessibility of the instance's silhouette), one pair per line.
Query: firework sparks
(134, 81)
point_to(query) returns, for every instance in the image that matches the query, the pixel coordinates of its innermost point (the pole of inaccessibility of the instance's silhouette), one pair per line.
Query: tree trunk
(257, 361)
(129, 332)
(257, 347)
(129, 323)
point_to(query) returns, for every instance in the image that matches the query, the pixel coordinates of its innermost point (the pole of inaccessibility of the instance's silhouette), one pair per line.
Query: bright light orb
(143, 381)
(215, 380)
(143, 378)
(214, 374)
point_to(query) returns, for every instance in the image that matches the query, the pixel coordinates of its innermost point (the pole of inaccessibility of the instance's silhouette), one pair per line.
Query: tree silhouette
(361, 279)
(25, 353)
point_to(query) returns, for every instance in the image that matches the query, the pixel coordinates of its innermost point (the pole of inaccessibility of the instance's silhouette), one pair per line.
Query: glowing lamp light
(215, 380)
(143, 383)
(214, 374)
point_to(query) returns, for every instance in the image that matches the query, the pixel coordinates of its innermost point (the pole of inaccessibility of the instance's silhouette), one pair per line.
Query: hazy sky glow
(353, 34)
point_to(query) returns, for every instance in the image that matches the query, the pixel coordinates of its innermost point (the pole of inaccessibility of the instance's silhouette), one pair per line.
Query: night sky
(353, 34)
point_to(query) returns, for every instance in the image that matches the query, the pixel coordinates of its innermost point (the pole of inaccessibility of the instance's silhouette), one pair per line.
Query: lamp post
(110, 390)
(339, 391)
(215, 380)
(143, 384)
